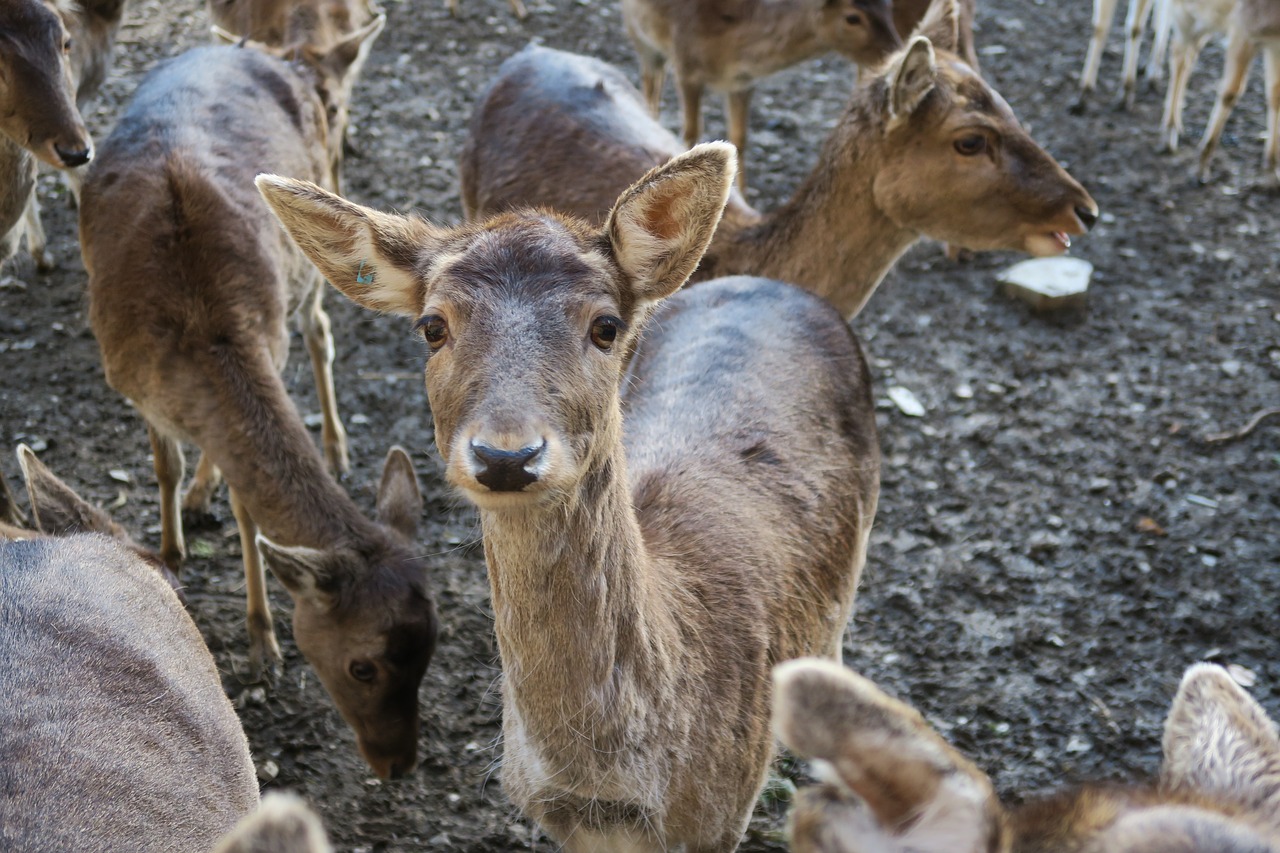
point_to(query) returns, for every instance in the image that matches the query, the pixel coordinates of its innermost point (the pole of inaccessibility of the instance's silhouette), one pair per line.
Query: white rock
(1048, 284)
(906, 402)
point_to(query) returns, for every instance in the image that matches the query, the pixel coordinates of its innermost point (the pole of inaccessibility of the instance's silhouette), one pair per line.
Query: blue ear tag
(363, 279)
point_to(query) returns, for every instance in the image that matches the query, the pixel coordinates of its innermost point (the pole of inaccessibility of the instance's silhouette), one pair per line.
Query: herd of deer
(621, 435)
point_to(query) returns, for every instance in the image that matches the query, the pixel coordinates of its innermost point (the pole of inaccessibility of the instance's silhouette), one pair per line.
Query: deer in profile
(1254, 25)
(1134, 24)
(891, 783)
(924, 148)
(651, 551)
(729, 44)
(191, 309)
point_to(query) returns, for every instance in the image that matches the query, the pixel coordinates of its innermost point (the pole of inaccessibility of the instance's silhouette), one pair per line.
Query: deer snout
(505, 470)
(76, 155)
(1088, 215)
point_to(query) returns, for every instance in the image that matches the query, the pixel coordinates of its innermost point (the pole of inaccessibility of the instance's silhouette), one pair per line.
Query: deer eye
(854, 20)
(604, 331)
(66, 45)
(363, 670)
(971, 144)
(434, 329)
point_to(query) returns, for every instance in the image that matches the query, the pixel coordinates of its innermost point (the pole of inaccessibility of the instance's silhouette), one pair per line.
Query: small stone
(906, 402)
(1048, 284)
(437, 841)
(1201, 500)
(313, 420)
(964, 391)
(1078, 744)
(359, 419)
(1099, 484)
(268, 770)
(120, 475)
(1242, 675)
(1230, 367)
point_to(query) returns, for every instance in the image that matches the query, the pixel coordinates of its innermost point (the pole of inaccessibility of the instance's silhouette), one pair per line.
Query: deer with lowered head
(925, 148)
(191, 310)
(658, 534)
(890, 783)
(728, 44)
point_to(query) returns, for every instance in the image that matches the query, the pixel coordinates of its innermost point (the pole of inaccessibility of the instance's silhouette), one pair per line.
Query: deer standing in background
(925, 148)
(1194, 23)
(191, 312)
(659, 530)
(728, 44)
(908, 14)
(1135, 22)
(278, 23)
(890, 784)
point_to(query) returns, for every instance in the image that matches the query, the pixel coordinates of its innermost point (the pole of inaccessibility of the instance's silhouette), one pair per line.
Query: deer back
(113, 722)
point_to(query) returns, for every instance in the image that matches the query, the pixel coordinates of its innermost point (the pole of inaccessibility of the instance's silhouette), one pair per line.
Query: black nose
(1087, 216)
(71, 159)
(503, 470)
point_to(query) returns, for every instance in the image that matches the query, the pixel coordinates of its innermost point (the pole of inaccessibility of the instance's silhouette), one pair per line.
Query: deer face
(37, 86)
(862, 30)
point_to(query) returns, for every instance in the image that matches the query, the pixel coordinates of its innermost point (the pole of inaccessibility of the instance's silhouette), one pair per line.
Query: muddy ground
(1014, 591)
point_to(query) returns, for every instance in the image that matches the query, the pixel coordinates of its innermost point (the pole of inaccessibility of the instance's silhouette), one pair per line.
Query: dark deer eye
(971, 144)
(853, 20)
(435, 331)
(604, 331)
(66, 45)
(363, 670)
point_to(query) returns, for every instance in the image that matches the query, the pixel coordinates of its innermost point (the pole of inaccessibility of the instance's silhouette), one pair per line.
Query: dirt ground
(1014, 591)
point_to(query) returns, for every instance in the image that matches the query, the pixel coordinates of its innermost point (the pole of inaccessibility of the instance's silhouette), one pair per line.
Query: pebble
(120, 475)
(268, 770)
(1048, 284)
(964, 391)
(906, 402)
(1231, 367)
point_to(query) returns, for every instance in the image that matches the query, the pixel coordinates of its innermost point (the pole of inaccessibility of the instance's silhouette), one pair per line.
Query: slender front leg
(1162, 24)
(453, 7)
(1271, 158)
(1135, 22)
(263, 648)
(1182, 57)
(199, 497)
(518, 8)
(691, 109)
(169, 464)
(1235, 75)
(36, 241)
(653, 76)
(739, 116)
(1103, 12)
(317, 332)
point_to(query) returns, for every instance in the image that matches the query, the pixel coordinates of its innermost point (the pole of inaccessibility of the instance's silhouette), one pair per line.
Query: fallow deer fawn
(728, 44)
(1194, 23)
(191, 311)
(924, 148)
(115, 733)
(892, 784)
(652, 551)
(1134, 23)
(289, 22)
(1254, 25)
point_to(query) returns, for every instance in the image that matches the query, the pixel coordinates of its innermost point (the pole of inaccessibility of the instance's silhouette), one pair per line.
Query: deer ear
(941, 25)
(1220, 743)
(662, 225)
(10, 512)
(921, 794)
(282, 824)
(57, 509)
(399, 500)
(303, 571)
(345, 58)
(911, 78)
(372, 257)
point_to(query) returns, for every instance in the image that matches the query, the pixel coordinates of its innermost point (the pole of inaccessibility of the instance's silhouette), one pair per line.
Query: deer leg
(653, 76)
(196, 503)
(518, 8)
(1135, 22)
(1182, 58)
(263, 648)
(317, 332)
(169, 464)
(691, 109)
(453, 7)
(36, 241)
(1162, 24)
(1103, 12)
(1271, 156)
(739, 116)
(1235, 76)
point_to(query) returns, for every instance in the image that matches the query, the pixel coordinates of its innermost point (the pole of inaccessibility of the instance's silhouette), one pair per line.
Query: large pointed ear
(1219, 743)
(305, 572)
(941, 25)
(399, 500)
(57, 509)
(921, 794)
(10, 512)
(372, 257)
(662, 225)
(346, 57)
(911, 78)
(282, 824)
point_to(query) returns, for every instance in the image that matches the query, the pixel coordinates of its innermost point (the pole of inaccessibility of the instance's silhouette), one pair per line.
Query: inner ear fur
(911, 78)
(941, 25)
(399, 498)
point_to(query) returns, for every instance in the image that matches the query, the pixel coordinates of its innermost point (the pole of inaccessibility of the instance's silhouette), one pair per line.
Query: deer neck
(792, 37)
(831, 237)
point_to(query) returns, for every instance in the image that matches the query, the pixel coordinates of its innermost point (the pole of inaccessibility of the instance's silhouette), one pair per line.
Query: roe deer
(1254, 25)
(517, 8)
(890, 783)
(191, 312)
(1194, 23)
(924, 148)
(285, 23)
(646, 571)
(729, 44)
(282, 824)
(1135, 22)
(115, 733)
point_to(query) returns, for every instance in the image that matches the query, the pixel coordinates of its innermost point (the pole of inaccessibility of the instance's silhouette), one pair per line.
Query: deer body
(191, 317)
(115, 733)
(892, 784)
(1194, 23)
(651, 552)
(882, 180)
(727, 45)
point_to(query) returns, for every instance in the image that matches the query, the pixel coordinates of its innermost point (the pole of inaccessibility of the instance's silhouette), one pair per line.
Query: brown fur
(908, 15)
(287, 23)
(728, 44)
(642, 586)
(885, 176)
(892, 784)
(191, 317)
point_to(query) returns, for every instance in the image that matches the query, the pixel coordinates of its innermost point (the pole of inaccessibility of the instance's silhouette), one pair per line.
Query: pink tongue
(1063, 238)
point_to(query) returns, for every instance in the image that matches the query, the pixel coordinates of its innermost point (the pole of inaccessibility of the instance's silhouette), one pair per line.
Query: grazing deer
(729, 44)
(1194, 23)
(1254, 25)
(890, 783)
(191, 309)
(651, 551)
(1134, 24)
(282, 824)
(285, 23)
(115, 733)
(924, 148)
(517, 8)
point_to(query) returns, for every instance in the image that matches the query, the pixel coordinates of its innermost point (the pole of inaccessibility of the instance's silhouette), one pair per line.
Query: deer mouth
(1048, 244)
